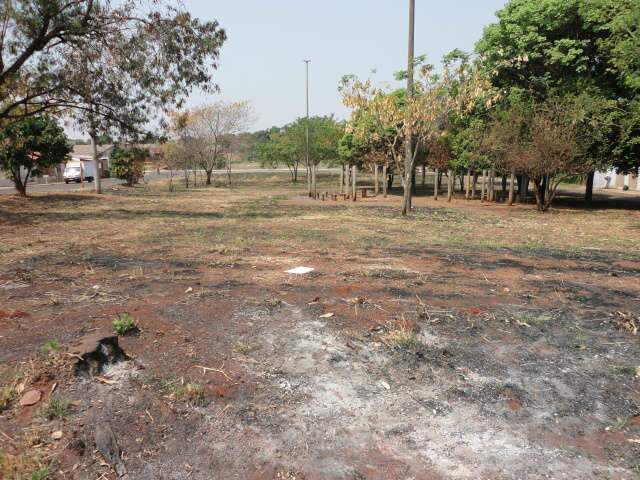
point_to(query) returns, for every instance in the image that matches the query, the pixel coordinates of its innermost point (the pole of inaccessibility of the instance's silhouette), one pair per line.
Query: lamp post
(311, 183)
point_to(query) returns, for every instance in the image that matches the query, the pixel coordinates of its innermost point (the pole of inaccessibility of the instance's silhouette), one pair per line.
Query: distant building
(611, 179)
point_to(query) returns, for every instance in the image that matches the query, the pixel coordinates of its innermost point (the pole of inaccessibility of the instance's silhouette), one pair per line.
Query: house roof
(87, 150)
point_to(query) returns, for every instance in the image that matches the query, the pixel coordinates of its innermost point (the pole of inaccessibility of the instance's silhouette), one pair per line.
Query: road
(6, 187)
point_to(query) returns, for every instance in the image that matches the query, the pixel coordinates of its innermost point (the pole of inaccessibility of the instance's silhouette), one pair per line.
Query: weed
(125, 324)
(8, 395)
(57, 407)
(402, 337)
(41, 474)
(191, 393)
(245, 348)
(22, 467)
(50, 346)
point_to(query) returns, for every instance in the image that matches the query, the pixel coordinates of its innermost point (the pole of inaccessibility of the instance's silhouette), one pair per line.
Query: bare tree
(209, 128)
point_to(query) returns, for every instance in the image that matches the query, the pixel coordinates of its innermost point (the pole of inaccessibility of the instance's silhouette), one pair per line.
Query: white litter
(300, 270)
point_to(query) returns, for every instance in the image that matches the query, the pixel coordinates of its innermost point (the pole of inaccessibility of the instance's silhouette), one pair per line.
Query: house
(84, 153)
(611, 179)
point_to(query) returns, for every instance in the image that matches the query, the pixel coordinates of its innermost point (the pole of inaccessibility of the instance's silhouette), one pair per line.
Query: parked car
(78, 171)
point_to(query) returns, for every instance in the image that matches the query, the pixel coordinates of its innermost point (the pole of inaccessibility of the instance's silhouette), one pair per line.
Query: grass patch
(23, 467)
(8, 395)
(191, 393)
(125, 324)
(50, 346)
(245, 348)
(56, 408)
(403, 337)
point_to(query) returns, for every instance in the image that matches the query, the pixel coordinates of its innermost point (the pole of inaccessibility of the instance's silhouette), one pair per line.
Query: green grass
(8, 395)
(191, 393)
(125, 325)
(50, 346)
(56, 408)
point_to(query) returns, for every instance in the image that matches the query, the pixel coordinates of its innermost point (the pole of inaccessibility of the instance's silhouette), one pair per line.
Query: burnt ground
(468, 341)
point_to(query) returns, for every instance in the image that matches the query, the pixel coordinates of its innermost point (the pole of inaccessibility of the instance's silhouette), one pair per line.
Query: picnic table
(365, 190)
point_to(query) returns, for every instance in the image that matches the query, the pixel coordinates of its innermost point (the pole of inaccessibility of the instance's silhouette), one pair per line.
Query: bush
(124, 325)
(128, 164)
(57, 407)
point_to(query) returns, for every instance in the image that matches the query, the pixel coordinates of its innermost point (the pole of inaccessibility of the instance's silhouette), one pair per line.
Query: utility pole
(311, 180)
(408, 160)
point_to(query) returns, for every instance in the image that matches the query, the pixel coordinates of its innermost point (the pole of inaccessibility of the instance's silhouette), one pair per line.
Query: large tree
(111, 66)
(29, 146)
(574, 48)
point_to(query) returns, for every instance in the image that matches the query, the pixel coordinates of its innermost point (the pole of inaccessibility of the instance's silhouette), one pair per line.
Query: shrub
(128, 164)
(50, 346)
(8, 395)
(125, 325)
(57, 407)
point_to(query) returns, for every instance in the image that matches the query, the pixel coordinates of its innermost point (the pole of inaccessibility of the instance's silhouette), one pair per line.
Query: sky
(262, 60)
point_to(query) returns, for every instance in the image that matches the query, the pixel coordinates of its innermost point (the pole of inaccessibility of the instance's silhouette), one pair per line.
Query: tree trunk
(450, 183)
(436, 186)
(588, 195)
(504, 187)
(525, 189)
(467, 193)
(413, 181)
(97, 183)
(540, 188)
(424, 175)
(483, 186)
(385, 180)
(375, 180)
(19, 185)
(512, 186)
(474, 184)
(314, 169)
(342, 179)
(390, 181)
(209, 173)
(309, 190)
(353, 180)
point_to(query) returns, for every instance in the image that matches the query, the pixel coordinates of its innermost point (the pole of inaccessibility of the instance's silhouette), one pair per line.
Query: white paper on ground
(300, 270)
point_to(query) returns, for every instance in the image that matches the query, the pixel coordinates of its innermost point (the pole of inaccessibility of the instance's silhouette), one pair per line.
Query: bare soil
(466, 341)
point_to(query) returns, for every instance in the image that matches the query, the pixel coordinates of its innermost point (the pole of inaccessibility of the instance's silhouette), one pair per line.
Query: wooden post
(474, 183)
(436, 185)
(342, 179)
(353, 179)
(512, 186)
(384, 180)
(450, 185)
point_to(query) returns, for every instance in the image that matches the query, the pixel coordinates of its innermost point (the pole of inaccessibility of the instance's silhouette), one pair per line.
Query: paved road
(6, 187)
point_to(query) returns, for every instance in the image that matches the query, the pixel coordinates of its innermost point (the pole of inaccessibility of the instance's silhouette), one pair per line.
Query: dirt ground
(466, 341)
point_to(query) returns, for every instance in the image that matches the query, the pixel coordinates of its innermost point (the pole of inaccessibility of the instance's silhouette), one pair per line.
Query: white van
(78, 171)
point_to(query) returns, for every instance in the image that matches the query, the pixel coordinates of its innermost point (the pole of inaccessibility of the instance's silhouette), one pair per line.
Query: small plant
(191, 393)
(125, 324)
(50, 346)
(402, 337)
(244, 348)
(41, 474)
(57, 407)
(8, 395)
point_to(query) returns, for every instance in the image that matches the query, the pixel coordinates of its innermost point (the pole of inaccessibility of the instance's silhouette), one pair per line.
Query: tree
(287, 145)
(540, 140)
(390, 116)
(29, 146)
(574, 48)
(153, 51)
(108, 65)
(209, 128)
(128, 164)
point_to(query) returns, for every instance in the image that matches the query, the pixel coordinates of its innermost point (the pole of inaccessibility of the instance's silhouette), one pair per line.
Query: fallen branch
(217, 370)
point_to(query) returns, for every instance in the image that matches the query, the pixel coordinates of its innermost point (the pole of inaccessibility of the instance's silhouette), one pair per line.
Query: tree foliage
(128, 164)
(29, 146)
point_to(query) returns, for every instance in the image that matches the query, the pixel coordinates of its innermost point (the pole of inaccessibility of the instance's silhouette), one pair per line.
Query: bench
(366, 190)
